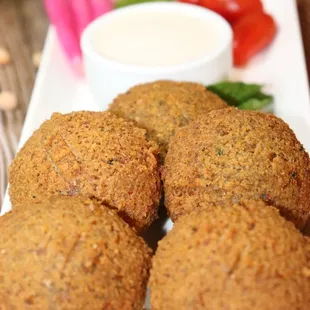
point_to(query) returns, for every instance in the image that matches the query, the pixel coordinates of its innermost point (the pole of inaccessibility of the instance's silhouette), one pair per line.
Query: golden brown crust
(69, 253)
(163, 106)
(94, 154)
(230, 155)
(244, 257)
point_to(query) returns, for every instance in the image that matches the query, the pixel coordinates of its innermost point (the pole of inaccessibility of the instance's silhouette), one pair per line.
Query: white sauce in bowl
(153, 41)
(156, 38)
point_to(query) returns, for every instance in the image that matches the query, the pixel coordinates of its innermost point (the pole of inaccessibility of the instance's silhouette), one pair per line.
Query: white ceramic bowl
(108, 78)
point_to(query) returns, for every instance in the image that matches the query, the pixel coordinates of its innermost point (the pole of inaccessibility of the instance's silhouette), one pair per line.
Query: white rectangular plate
(281, 68)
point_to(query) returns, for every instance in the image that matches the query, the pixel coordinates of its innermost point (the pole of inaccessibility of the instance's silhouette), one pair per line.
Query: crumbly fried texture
(163, 106)
(230, 155)
(69, 253)
(244, 257)
(93, 154)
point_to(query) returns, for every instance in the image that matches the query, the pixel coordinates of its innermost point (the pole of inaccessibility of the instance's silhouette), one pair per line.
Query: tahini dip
(156, 38)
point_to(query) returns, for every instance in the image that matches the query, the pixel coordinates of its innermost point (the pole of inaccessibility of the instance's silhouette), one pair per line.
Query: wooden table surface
(23, 27)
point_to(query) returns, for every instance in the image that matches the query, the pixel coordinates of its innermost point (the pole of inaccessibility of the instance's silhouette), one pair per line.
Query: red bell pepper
(232, 10)
(252, 33)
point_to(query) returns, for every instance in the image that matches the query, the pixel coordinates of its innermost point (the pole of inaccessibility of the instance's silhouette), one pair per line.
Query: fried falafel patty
(244, 257)
(69, 253)
(163, 106)
(229, 155)
(93, 154)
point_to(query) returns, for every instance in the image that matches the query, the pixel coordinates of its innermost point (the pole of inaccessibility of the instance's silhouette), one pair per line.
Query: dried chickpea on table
(23, 27)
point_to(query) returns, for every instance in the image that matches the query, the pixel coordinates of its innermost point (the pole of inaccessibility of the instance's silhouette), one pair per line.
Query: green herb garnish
(256, 103)
(294, 174)
(219, 152)
(242, 95)
(110, 162)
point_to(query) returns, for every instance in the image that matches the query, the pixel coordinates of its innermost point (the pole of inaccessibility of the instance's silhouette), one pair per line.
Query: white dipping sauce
(156, 38)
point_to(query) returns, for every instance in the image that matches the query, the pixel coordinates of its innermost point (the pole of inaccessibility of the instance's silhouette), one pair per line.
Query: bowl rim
(90, 52)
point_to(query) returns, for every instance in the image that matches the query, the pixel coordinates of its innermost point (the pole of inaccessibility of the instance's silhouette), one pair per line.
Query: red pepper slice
(252, 33)
(232, 10)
